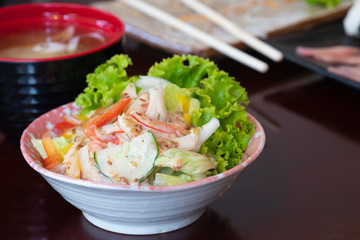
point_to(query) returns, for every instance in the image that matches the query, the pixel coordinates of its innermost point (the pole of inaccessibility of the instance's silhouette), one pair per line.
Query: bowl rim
(258, 133)
(119, 23)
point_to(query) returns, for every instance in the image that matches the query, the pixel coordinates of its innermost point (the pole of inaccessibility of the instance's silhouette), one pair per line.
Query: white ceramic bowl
(135, 209)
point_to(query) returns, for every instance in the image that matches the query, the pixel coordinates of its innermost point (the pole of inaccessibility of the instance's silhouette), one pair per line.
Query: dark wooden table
(304, 185)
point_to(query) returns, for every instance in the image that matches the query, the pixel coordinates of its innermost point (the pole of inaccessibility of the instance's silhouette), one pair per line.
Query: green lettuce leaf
(220, 96)
(105, 84)
(171, 99)
(37, 143)
(184, 71)
(176, 178)
(169, 180)
(190, 163)
(327, 3)
(60, 142)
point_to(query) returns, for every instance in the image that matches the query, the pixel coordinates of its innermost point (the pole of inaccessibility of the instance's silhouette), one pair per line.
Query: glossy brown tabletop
(304, 185)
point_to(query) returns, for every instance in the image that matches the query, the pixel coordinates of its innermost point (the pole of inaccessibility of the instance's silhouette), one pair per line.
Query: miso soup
(50, 41)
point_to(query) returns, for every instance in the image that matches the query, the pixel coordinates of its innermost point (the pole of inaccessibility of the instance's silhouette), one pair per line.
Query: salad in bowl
(182, 122)
(146, 154)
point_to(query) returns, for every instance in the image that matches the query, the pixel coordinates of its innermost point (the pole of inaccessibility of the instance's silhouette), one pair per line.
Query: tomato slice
(116, 141)
(92, 124)
(62, 126)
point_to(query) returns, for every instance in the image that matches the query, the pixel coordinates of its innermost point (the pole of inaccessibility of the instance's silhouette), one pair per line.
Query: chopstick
(232, 28)
(203, 37)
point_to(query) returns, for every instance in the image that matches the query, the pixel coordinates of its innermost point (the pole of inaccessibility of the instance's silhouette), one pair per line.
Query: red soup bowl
(46, 51)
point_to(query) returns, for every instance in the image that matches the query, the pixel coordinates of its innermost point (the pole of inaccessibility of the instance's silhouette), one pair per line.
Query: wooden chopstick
(232, 28)
(207, 39)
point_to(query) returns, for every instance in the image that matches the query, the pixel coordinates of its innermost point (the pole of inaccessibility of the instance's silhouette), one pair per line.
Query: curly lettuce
(105, 84)
(220, 96)
(184, 71)
(327, 3)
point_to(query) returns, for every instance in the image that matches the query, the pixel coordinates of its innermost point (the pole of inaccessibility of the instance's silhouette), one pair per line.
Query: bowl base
(144, 228)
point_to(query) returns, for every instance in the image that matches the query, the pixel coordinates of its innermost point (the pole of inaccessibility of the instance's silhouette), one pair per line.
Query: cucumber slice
(130, 162)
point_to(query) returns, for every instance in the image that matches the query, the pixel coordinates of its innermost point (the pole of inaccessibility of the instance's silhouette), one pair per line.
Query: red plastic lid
(45, 13)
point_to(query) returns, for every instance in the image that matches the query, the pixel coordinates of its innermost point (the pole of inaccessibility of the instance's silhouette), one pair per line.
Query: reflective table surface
(304, 185)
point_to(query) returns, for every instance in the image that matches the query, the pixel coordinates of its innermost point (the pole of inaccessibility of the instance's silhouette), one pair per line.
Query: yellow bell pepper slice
(184, 103)
(65, 149)
(187, 119)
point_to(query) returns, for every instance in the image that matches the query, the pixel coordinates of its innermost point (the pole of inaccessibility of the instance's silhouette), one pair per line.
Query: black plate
(330, 34)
